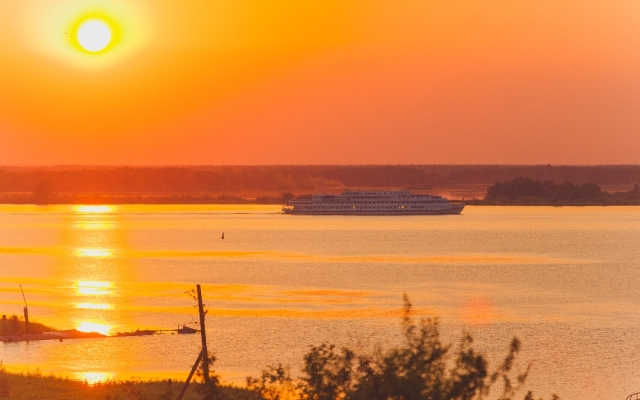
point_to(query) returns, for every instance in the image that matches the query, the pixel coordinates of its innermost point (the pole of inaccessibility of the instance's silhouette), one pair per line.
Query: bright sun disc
(94, 35)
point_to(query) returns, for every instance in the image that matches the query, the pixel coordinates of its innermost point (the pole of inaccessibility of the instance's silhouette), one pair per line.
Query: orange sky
(323, 82)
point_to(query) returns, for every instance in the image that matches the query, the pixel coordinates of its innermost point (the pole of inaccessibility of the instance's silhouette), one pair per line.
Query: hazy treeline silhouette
(14, 325)
(52, 197)
(237, 179)
(527, 190)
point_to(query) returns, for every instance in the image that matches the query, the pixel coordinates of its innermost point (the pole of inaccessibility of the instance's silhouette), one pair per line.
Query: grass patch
(37, 386)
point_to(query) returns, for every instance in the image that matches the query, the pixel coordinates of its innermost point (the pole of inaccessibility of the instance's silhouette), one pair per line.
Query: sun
(91, 35)
(94, 35)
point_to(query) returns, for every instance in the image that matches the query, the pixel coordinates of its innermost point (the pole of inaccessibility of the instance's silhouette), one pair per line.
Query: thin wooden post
(26, 313)
(203, 334)
(186, 384)
(26, 321)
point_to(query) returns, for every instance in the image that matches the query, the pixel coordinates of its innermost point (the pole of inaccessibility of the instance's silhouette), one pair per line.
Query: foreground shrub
(422, 368)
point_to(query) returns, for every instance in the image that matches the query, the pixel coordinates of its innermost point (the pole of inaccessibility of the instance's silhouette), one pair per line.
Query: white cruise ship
(382, 202)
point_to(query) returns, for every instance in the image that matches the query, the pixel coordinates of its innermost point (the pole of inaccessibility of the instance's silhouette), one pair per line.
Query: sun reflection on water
(479, 311)
(93, 288)
(94, 225)
(94, 253)
(89, 326)
(93, 306)
(94, 377)
(94, 209)
(96, 284)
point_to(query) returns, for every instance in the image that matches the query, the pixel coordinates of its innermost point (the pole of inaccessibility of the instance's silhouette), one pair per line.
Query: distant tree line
(300, 179)
(526, 190)
(54, 198)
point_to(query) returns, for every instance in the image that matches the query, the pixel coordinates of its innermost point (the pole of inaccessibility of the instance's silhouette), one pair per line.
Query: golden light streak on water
(93, 306)
(558, 277)
(92, 291)
(89, 326)
(94, 253)
(95, 225)
(93, 288)
(94, 209)
(96, 284)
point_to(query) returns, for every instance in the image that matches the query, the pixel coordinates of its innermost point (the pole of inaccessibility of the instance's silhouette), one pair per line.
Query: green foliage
(422, 368)
(275, 383)
(5, 384)
(209, 382)
(509, 390)
(328, 374)
(40, 387)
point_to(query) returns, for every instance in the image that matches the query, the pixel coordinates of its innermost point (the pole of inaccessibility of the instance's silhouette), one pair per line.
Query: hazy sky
(321, 82)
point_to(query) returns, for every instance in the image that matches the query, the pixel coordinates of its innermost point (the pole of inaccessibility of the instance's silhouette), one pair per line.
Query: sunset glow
(94, 377)
(479, 311)
(92, 306)
(95, 284)
(332, 196)
(94, 209)
(87, 326)
(93, 288)
(94, 253)
(319, 82)
(278, 284)
(74, 34)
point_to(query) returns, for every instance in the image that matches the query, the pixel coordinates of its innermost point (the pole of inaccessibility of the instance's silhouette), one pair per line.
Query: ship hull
(455, 209)
(372, 202)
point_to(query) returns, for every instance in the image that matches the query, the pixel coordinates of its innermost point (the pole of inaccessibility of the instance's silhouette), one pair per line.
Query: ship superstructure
(379, 202)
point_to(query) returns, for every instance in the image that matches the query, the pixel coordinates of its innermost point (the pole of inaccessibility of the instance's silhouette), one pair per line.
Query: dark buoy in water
(223, 235)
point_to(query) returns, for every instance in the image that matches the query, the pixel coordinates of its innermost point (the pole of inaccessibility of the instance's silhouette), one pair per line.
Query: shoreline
(248, 202)
(549, 204)
(52, 335)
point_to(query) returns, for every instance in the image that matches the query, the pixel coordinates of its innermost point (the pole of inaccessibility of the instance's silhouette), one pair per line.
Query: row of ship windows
(388, 202)
(421, 198)
(347, 208)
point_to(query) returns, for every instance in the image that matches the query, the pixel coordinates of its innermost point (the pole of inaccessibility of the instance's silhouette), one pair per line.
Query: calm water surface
(565, 280)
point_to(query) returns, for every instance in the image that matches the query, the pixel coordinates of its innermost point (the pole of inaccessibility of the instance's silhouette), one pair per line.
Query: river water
(565, 280)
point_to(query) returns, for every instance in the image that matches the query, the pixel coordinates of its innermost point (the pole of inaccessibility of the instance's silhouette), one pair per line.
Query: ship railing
(635, 396)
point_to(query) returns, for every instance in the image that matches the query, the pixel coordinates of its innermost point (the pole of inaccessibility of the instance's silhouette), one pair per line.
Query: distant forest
(278, 184)
(526, 190)
(197, 180)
